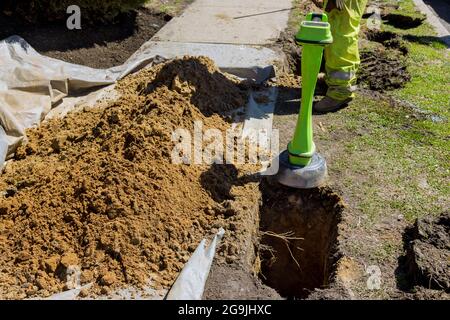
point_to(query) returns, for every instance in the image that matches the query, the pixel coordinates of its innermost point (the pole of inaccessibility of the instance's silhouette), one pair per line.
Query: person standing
(342, 56)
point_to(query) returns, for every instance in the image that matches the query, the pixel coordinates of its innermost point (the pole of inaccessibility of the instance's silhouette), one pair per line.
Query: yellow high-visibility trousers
(342, 56)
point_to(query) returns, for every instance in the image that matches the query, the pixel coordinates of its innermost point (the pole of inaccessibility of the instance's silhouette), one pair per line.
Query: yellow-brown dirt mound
(97, 189)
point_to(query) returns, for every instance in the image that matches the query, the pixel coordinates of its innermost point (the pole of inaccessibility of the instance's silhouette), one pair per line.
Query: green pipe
(314, 34)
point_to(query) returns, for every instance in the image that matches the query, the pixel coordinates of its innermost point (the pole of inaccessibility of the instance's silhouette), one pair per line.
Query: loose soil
(427, 260)
(292, 51)
(97, 191)
(383, 70)
(388, 39)
(97, 46)
(232, 282)
(383, 66)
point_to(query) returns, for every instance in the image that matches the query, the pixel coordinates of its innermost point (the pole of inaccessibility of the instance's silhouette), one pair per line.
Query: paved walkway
(252, 22)
(441, 8)
(234, 33)
(438, 15)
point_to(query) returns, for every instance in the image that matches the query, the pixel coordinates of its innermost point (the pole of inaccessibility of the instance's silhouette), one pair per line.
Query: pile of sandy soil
(97, 190)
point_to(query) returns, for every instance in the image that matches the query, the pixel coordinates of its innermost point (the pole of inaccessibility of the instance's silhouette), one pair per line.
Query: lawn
(388, 154)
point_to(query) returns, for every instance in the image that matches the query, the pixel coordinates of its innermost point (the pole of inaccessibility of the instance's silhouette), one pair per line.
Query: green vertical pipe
(302, 147)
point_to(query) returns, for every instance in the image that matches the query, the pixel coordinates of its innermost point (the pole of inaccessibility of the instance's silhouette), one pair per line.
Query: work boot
(328, 104)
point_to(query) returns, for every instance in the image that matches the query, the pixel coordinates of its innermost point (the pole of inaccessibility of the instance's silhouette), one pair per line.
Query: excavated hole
(384, 68)
(298, 247)
(402, 22)
(380, 36)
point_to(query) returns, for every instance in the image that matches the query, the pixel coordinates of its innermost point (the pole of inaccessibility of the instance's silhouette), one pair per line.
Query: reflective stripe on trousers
(342, 56)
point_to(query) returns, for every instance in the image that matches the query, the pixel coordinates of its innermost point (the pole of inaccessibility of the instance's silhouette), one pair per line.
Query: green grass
(429, 65)
(429, 86)
(403, 170)
(388, 154)
(398, 154)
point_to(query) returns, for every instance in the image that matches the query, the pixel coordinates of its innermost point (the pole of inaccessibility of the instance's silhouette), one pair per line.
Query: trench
(401, 21)
(298, 247)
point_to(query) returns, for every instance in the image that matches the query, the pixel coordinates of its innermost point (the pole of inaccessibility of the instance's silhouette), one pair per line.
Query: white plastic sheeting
(31, 84)
(3, 145)
(34, 87)
(190, 284)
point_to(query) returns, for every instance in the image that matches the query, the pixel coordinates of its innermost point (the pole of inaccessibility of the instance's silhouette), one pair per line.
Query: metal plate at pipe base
(307, 177)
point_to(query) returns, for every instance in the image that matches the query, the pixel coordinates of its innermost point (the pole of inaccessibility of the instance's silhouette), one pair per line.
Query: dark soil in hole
(402, 22)
(427, 260)
(383, 70)
(299, 238)
(389, 40)
(97, 46)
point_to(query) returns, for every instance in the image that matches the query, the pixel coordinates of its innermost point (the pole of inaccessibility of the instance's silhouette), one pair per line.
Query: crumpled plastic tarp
(31, 84)
(34, 87)
(3, 145)
(191, 282)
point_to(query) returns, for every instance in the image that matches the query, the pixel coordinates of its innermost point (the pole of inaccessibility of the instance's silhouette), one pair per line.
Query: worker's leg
(342, 57)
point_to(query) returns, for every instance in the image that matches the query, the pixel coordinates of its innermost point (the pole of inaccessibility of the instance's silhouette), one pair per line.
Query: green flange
(313, 35)
(315, 30)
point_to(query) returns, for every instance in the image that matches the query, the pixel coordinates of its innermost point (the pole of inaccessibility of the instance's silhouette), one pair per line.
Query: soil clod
(428, 253)
(383, 70)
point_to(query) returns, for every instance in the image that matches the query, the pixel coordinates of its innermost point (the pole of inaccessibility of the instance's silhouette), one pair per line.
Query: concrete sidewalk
(250, 22)
(441, 8)
(234, 33)
(437, 13)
